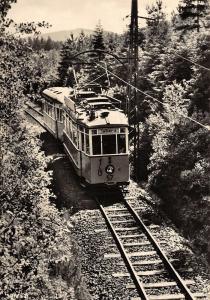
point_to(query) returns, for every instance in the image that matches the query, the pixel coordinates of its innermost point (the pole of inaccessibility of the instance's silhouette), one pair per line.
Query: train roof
(102, 118)
(58, 93)
(91, 112)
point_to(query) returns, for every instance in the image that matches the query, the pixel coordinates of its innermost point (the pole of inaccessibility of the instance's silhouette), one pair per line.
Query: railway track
(153, 274)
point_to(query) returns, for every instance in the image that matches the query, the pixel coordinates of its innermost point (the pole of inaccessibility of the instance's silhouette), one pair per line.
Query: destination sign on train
(108, 130)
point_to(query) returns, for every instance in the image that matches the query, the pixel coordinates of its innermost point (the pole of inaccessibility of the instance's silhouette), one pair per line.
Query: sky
(71, 14)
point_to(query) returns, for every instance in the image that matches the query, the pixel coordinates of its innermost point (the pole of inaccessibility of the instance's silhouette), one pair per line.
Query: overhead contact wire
(93, 80)
(192, 62)
(155, 99)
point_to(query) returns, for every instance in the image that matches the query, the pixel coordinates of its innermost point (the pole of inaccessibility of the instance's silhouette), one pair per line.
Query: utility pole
(132, 107)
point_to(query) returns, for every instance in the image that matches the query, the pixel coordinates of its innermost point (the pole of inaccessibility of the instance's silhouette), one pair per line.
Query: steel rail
(181, 284)
(135, 277)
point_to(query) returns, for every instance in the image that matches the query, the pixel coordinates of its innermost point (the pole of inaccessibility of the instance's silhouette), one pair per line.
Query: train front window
(109, 144)
(121, 143)
(96, 140)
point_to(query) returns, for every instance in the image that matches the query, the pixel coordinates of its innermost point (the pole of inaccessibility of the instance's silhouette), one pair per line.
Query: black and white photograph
(104, 149)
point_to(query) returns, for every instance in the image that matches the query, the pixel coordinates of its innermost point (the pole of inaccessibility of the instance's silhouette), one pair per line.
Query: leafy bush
(34, 239)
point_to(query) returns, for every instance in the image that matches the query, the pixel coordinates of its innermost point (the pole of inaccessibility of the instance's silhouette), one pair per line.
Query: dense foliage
(174, 150)
(35, 244)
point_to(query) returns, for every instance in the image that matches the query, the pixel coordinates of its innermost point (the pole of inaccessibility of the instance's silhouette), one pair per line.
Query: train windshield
(108, 143)
(96, 144)
(121, 143)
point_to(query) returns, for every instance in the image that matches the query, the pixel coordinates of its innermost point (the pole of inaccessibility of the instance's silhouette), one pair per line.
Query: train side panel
(60, 127)
(54, 127)
(73, 153)
(86, 167)
(50, 125)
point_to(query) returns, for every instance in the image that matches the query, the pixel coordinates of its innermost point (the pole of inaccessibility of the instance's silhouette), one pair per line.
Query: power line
(84, 85)
(160, 102)
(193, 62)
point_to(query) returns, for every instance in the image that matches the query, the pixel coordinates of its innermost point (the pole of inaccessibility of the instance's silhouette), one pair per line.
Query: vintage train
(94, 133)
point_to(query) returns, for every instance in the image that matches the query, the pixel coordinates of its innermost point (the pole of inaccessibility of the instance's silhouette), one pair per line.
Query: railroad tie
(160, 284)
(131, 236)
(170, 297)
(119, 215)
(115, 209)
(146, 262)
(132, 254)
(126, 228)
(146, 243)
(100, 230)
(117, 222)
(137, 235)
(112, 255)
(141, 253)
(153, 226)
(141, 273)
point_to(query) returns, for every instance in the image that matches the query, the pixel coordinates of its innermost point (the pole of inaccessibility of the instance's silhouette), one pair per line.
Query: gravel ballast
(95, 243)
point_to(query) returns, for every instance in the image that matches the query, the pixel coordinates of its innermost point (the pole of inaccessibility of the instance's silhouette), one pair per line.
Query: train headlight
(109, 169)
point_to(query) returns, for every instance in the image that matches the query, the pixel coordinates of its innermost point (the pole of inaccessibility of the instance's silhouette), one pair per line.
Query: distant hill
(64, 34)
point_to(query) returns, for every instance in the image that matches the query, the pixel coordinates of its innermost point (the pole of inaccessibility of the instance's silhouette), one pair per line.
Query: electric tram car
(94, 134)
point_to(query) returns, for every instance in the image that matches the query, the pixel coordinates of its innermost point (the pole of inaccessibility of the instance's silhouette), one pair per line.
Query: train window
(47, 108)
(82, 141)
(121, 143)
(61, 115)
(67, 123)
(50, 110)
(94, 131)
(74, 135)
(64, 115)
(109, 144)
(87, 144)
(70, 128)
(58, 114)
(122, 130)
(96, 140)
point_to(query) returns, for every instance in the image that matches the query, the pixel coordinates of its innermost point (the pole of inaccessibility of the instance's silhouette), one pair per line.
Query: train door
(59, 121)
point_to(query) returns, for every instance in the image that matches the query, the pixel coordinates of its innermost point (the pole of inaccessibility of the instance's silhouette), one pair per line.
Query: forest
(174, 125)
